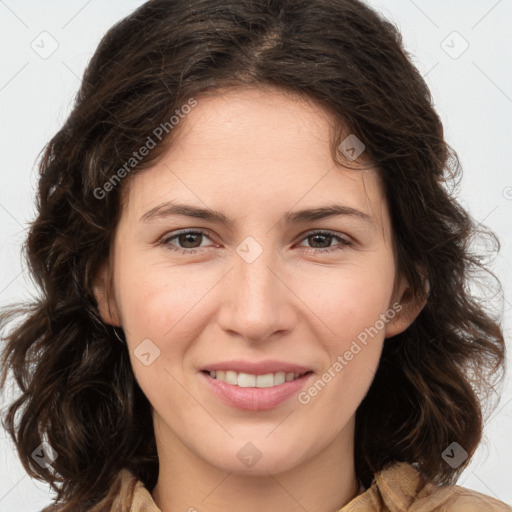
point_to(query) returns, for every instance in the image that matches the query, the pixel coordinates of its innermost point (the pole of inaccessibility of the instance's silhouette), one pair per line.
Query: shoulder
(125, 490)
(402, 488)
(467, 500)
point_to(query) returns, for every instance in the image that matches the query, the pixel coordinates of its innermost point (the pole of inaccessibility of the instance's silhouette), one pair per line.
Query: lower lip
(255, 399)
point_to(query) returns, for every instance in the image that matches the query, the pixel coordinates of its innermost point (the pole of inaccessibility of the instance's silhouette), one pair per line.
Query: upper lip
(257, 368)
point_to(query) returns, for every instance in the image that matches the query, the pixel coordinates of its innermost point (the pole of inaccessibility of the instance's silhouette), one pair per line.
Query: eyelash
(166, 241)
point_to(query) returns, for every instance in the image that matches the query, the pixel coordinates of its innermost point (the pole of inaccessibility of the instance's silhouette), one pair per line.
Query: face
(257, 291)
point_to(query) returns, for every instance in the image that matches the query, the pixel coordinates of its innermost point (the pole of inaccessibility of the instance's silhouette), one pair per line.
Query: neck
(187, 482)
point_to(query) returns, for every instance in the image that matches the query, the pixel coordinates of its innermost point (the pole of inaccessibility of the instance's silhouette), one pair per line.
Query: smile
(254, 392)
(248, 380)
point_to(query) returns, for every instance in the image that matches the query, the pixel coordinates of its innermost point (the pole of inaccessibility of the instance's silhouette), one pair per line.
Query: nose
(257, 301)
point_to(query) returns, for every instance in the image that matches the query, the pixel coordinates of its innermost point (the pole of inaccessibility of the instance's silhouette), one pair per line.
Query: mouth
(254, 392)
(248, 380)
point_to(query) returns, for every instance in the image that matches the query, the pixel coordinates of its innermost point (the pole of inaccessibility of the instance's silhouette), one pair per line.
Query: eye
(190, 241)
(188, 238)
(327, 236)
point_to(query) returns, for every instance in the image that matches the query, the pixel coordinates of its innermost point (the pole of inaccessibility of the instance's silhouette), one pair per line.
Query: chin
(258, 457)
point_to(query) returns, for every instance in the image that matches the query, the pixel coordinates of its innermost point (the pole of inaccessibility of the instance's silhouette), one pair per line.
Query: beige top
(399, 488)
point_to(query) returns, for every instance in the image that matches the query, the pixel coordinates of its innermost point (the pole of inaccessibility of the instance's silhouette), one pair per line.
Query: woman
(253, 370)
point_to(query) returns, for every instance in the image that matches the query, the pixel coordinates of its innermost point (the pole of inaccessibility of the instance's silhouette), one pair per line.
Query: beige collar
(398, 488)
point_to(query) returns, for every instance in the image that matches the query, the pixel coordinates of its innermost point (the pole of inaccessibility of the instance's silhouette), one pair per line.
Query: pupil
(185, 239)
(326, 239)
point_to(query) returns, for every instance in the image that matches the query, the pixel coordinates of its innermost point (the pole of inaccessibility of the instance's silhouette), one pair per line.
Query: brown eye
(324, 240)
(321, 241)
(189, 240)
(186, 241)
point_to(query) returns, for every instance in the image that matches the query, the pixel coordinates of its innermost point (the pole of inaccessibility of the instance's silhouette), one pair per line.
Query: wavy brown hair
(78, 391)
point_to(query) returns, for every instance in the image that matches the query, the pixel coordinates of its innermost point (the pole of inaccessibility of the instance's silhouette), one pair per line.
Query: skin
(253, 154)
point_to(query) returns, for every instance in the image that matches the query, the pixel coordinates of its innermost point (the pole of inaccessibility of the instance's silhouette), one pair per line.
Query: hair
(78, 390)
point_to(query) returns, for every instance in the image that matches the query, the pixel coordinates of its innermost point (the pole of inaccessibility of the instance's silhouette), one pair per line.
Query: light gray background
(472, 93)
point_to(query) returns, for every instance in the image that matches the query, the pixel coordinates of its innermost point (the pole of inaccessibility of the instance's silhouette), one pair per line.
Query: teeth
(247, 380)
(231, 377)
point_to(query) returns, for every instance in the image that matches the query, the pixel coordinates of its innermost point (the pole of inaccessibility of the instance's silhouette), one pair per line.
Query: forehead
(231, 121)
(256, 148)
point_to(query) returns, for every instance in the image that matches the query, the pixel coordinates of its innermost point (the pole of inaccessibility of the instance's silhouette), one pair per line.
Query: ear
(107, 305)
(407, 308)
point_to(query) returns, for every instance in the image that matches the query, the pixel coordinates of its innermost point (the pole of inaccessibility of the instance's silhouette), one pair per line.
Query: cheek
(155, 297)
(353, 308)
(350, 300)
(160, 321)
(353, 355)
(168, 307)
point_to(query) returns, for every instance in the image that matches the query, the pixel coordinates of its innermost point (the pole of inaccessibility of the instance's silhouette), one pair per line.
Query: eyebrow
(168, 209)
